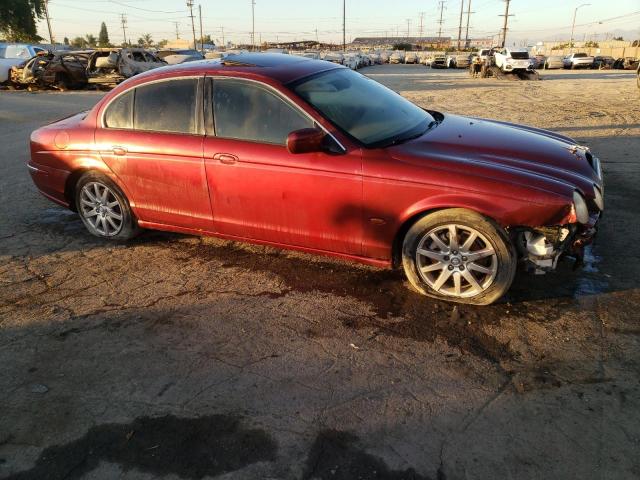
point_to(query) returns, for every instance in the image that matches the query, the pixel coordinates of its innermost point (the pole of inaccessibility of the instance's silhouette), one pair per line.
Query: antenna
(506, 20)
(123, 20)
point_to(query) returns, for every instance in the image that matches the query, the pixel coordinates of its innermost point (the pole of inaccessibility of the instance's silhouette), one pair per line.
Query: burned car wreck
(61, 70)
(113, 65)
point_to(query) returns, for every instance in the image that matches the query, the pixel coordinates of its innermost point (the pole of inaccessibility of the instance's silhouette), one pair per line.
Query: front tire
(460, 256)
(104, 209)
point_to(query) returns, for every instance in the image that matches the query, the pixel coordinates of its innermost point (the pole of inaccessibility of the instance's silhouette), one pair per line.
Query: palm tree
(146, 40)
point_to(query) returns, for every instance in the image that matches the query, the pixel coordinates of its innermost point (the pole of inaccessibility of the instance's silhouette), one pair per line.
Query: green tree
(103, 36)
(145, 40)
(66, 41)
(162, 43)
(18, 19)
(79, 42)
(618, 38)
(91, 40)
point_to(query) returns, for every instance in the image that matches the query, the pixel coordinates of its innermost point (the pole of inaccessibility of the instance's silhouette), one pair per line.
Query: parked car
(512, 59)
(626, 63)
(397, 57)
(62, 70)
(113, 65)
(438, 61)
(411, 57)
(578, 60)
(14, 54)
(458, 60)
(553, 62)
(294, 153)
(174, 57)
(537, 61)
(603, 62)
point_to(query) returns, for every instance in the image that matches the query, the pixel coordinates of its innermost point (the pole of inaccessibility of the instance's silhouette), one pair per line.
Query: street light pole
(573, 26)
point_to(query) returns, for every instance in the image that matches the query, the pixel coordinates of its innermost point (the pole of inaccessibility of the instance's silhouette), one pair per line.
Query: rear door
(152, 137)
(261, 191)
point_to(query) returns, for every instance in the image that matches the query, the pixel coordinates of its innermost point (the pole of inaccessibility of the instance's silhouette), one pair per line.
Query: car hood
(520, 154)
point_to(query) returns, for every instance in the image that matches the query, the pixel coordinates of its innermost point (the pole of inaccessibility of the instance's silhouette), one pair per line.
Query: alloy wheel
(456, 260)
(100, 207)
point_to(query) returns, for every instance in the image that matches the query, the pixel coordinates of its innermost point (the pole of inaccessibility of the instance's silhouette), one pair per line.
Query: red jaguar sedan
(309, 155)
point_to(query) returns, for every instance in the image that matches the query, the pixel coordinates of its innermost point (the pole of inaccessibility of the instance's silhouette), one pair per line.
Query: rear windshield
(579, 55)
(520, 55)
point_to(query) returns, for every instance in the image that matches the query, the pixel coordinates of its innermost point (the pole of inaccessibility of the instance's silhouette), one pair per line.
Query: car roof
(281, 67)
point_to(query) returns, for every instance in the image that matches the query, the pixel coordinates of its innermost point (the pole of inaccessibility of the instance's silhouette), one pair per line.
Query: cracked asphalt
(181, 357)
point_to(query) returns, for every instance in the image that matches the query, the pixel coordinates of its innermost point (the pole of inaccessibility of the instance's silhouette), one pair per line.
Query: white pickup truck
(14, 54)
(577, 60)
(512, 60)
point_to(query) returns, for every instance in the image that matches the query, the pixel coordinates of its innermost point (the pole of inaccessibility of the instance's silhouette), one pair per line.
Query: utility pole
(317, 41)
(421, 24)
(177, 24)
(408, 28)
(344, 25)
(573, 26)
(223, 44)
(460, 24)
(466, 35)
(123, 19)
(46, 12)
(193, 25)
(506, 20)
(440, 21)
(253, 24)
(201, 36)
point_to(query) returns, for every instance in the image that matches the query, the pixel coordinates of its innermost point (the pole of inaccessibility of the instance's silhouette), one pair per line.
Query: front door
(261, 191)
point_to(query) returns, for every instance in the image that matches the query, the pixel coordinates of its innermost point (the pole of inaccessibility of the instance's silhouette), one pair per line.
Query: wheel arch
(72, 181)
(423, 209)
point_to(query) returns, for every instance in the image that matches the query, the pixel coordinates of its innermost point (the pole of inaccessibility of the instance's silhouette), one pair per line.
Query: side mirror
(306, 140)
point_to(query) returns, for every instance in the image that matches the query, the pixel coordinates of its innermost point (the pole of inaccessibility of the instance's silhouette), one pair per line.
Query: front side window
(247, 111)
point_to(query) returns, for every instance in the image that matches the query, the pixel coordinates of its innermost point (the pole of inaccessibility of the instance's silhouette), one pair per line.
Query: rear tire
(477, 268)
(104, 209)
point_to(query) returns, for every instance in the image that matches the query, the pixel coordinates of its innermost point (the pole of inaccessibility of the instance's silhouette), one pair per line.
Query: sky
(286, 20)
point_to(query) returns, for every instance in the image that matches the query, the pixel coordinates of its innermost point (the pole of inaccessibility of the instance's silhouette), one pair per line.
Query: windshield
(519, 55)
(363, 108)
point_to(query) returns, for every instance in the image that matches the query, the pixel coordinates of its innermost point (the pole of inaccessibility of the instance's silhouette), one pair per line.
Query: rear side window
(119, 114)
(166, 106)
(247, 111)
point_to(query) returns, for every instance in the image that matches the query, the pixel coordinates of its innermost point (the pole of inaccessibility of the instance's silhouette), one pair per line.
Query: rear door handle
(117, 150)
(226, 158)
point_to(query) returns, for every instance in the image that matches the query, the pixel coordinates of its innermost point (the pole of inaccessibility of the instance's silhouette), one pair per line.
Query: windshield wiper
(399, 140)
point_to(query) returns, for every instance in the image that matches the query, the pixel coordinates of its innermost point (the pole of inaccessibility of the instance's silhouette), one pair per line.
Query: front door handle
(226, 158)
(117, 150)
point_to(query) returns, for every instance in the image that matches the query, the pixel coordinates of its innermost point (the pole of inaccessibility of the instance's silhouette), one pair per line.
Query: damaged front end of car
(540, 248)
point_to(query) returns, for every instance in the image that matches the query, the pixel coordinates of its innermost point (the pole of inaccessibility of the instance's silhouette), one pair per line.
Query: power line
(46, 12)
(123, 20)
(441, 21)
(466, 35)
(460, 24)
(193, 25)
(253, 24)
(506, 20)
